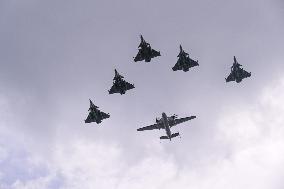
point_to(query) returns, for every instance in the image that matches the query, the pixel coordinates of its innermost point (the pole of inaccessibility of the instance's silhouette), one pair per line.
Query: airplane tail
(235, 60)
(172, 136)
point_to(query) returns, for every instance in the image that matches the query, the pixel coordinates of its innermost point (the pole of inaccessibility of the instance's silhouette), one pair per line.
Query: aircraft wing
(150, 127)
(230, 77)
(113, 90)
(245, 73)
(180, 120)
(155, 53)
(138, 57)
(91, 119)
(98, 118)
(129, 85)
(178, 65)
(104, 115)
(193, 62)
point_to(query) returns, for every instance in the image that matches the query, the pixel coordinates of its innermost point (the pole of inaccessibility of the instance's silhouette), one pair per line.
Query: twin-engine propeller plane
(166, 123)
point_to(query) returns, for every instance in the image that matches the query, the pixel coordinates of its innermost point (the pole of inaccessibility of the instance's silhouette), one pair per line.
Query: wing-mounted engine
(158, 120)
(172, 118)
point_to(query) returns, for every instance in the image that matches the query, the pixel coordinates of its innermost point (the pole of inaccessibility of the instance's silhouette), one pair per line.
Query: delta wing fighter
(237, 73)
(145, 51)
(95, 115)
(119, 84)
(184, 62)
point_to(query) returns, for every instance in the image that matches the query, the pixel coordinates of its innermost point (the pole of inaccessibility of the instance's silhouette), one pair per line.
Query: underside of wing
(112, 90)
(177, 66)
(150, 127)
(230, 78)
(155, 53)
(139, 56)
(104, 115)
(245, 74)
(129, 85)
(181, 120)
(193, 62)
(91, 119)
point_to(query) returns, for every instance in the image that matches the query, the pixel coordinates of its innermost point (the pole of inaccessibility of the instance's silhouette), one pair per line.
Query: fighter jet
(95, 115)
(184, 62)
(119, 84)
(166, 123)
(237, 73)
(145, 51)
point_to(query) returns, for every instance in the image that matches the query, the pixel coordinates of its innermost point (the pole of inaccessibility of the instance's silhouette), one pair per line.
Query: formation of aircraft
(184, 62)
(167, 123)
(237, 73)
(145, 52)
(95, 115)
(119, 84)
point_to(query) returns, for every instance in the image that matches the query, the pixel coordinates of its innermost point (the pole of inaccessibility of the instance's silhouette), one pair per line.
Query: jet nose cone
(235, 60)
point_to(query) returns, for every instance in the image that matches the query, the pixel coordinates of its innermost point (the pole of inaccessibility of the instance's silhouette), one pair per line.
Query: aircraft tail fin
(172, 136)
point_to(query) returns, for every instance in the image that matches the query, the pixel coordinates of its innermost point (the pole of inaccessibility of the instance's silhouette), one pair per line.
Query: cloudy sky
(55, 55)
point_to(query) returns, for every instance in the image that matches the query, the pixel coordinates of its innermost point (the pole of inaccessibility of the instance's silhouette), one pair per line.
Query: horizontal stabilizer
(172, 136)
(164, 137)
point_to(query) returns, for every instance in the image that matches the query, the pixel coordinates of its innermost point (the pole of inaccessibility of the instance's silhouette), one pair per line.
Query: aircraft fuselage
(166, 125)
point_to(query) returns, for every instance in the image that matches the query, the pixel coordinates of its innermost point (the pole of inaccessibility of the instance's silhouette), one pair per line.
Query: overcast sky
(55, 55)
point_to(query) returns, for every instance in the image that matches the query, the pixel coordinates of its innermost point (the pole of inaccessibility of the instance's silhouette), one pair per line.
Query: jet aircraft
(184, 62)
(166, 123)
(95, 115)
(145, 51)
(119, 84)
(237, 73)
